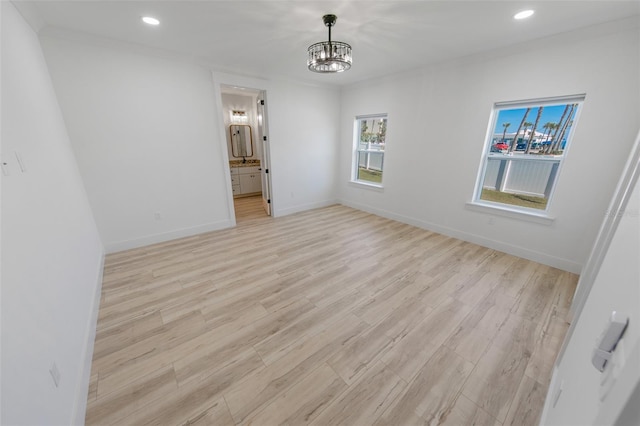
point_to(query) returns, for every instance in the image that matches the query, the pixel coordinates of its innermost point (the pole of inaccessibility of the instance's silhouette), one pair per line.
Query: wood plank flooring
(249, 208)
(326, 317)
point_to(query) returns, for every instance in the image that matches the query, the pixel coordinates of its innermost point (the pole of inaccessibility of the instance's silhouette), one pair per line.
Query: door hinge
(264, 138)
(269, 201)
(266, 170)
(261, 101)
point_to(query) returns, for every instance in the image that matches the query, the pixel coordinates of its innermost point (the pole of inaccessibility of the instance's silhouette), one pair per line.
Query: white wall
(148, 134)
(51, 251)
(438, 119)
(616, 288)
(145, 132)
(303, 131)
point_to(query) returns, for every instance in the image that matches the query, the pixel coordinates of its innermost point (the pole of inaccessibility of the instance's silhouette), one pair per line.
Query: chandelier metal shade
(329, 56)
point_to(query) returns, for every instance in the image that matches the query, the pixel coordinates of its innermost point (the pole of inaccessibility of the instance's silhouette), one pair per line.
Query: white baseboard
(556, 262)
(166, 236)
(304, 207)
(82, 390)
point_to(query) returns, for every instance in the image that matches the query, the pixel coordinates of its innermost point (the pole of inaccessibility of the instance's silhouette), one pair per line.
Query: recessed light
(524, 14)
(149, 20)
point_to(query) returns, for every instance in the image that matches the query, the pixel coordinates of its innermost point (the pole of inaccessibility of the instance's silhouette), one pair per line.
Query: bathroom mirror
(241, 141)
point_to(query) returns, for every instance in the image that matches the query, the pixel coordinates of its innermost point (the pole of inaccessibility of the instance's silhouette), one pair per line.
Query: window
(370, 138)
(525, 147)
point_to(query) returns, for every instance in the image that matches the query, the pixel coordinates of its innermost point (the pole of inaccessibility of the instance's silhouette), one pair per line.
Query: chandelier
(329, 56)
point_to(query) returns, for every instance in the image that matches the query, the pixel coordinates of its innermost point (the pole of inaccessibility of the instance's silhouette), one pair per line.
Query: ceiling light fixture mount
(329, 56)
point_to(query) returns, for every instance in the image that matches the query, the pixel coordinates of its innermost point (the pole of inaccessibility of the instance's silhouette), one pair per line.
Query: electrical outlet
(5, 168)
(556, 395)
(157, 216)
(55, 374)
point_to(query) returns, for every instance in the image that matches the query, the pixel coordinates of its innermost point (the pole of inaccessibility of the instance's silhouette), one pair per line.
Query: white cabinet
(246, 180)
(250, 183)
(235, 181)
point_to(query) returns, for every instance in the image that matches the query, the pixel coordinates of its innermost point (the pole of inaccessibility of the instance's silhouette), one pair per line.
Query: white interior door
(263, 139)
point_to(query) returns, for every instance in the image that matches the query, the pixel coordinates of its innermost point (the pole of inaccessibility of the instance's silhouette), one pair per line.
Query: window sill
(527, 216)
(372, 186)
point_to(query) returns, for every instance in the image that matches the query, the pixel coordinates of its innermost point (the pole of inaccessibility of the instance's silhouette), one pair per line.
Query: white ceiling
(270, 37)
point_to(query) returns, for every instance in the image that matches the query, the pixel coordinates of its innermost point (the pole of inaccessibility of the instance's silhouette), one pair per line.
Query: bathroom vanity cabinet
(245, 180)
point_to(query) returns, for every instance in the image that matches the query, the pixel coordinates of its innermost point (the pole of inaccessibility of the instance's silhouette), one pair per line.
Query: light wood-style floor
(249, 208)
(326, 317)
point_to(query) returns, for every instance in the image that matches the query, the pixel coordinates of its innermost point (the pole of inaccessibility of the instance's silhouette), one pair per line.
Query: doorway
(245, 120)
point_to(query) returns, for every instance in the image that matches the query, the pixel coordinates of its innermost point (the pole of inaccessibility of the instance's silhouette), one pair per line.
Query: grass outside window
(373, 176)
(527, 201)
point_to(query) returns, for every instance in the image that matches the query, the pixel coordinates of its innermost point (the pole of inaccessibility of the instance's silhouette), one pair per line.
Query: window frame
(511, 210)
(355, 153)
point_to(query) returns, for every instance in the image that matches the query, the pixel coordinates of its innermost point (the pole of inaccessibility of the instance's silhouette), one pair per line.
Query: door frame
(223, 79)
(265, 149)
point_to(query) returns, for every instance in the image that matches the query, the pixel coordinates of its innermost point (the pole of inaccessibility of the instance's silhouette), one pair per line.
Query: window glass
(371, 134)
(525, 150)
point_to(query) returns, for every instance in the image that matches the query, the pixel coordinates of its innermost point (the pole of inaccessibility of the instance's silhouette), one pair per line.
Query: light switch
(609, 338)
(612, 370)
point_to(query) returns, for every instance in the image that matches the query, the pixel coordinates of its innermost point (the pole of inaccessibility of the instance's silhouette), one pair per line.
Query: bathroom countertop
(248, 163)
